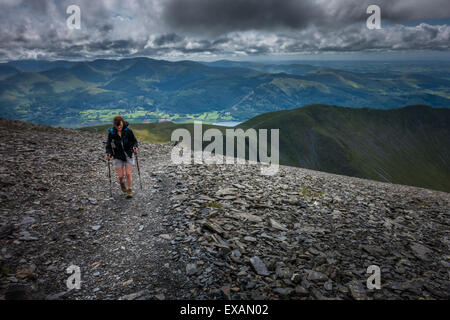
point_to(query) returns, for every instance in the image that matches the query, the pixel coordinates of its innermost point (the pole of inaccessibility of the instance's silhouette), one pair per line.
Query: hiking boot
(129, 193)
(123, 187)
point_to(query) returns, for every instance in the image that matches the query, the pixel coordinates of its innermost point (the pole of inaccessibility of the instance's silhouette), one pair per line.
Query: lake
(227, 123)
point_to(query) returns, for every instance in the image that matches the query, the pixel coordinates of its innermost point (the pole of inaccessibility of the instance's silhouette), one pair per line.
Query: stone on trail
(212, 227)
(225, 192)
(6, 230)
(357, 290)
(246, 216)
(302, 292)
(25, 236)
(133, 296)
(328, 285)
(28, 238)
(274, 224)
(57, 296)
(226, 292)
(283, 291)
(420, 251)
(166, 236)
(316, 276)
(160, 296)
(259, 266)
(191, 269)
(27, 220)
(373, 250)
(179, 197)
(296, 278)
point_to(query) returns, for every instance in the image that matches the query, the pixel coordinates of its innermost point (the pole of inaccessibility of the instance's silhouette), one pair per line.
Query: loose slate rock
(6, 230)
(226, 292)
(27, 220)
(191, 269)
(316, 276)
(302, 292)
(132, 296)
(283, 291)
(274, 224)
(247, 216)
(259, 266)
(420, 251)
(357, 290)
(57, 296)
(212, 227)
(166, 236)
(226, 192)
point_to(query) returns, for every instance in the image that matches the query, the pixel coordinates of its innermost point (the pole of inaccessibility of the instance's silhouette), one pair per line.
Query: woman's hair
(117, 120)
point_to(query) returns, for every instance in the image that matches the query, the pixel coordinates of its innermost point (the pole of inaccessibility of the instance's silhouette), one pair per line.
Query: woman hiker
(121, 145)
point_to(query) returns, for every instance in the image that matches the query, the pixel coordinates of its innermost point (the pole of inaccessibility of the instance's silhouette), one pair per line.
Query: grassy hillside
(155, 132)
(408, 145)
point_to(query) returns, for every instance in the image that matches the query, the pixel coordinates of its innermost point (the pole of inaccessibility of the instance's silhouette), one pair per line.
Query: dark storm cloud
(413, 10)
(221, 41)
(110, 45)
(106, 28)
(224, 15)
(189, 29)
(37, 6)
(168, 38)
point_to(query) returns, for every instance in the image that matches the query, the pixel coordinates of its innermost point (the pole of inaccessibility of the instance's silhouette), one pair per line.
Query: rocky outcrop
(207, 231)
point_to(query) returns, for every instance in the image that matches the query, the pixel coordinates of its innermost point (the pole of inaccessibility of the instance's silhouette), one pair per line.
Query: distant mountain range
(75, 94)
(409, 145)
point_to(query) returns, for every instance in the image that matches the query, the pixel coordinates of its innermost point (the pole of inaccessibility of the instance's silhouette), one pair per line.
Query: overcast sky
(222, 29)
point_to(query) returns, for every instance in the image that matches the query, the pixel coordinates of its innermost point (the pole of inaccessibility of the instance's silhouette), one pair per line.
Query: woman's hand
(135, 149)
(108, 156)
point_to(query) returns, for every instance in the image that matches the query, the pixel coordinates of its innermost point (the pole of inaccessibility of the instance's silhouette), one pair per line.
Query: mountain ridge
(236, 91)
(409, 145)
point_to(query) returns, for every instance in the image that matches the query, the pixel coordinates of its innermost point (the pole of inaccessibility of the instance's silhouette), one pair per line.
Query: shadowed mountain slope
(408, 145)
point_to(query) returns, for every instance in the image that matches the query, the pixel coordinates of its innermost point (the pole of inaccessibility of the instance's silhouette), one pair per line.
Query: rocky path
(133, 257)
(57, 212)
(207, 232)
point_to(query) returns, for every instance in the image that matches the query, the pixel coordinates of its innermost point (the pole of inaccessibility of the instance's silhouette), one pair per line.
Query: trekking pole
(110, 183)
(139, 171)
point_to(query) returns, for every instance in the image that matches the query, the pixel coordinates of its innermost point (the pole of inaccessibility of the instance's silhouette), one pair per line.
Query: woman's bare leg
(129, 176)
(121, 179)
(120, 174)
